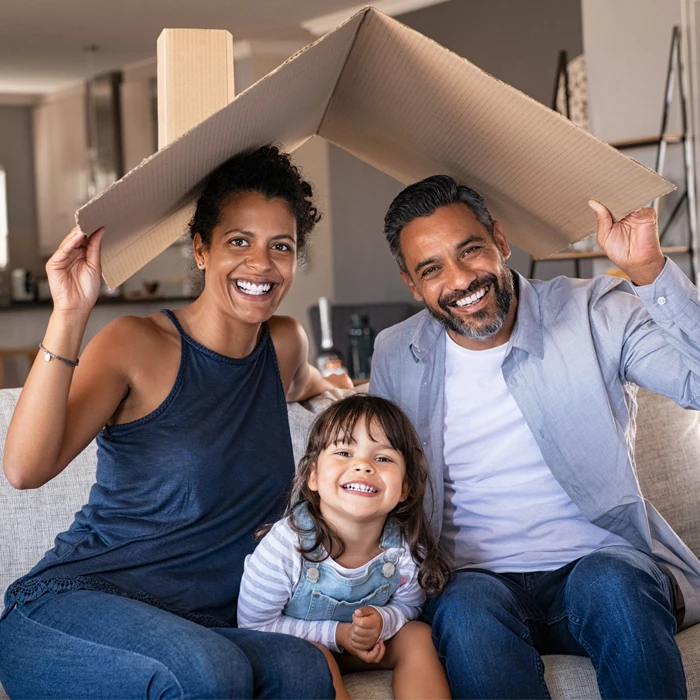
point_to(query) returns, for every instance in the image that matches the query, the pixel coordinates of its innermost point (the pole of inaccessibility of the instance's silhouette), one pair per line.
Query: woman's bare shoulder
(133, 337)
(291, 346)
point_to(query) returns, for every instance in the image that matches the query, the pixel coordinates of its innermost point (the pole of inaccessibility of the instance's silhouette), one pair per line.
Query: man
(521, 393)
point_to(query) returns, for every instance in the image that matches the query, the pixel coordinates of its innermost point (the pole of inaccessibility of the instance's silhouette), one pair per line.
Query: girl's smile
(361, 479)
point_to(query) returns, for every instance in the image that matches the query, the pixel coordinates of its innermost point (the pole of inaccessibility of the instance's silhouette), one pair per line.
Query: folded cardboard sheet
(407, 106)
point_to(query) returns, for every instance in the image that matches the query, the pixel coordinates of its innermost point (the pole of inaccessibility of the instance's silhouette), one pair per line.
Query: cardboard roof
(407, 106)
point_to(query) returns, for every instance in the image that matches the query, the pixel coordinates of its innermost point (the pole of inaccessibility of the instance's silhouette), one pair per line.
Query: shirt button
(661, 301)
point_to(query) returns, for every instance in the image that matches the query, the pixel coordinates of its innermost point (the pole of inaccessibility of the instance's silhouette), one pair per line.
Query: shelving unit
(661, 142)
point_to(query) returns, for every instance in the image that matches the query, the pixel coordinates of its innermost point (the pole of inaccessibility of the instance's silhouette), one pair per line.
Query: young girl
(349, 565)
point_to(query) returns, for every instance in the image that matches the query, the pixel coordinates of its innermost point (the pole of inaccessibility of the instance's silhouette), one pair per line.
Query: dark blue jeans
(614, 605)
(88, 644)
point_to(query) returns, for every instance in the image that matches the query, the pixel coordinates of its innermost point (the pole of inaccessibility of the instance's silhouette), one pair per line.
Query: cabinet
(61, 163)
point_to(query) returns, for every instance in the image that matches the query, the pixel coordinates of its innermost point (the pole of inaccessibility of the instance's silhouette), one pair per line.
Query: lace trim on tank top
(22, 592)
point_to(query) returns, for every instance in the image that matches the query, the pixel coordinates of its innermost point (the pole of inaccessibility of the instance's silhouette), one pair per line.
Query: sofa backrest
(667, 450)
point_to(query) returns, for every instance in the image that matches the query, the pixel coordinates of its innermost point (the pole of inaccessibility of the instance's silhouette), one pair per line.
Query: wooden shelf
(646, 141)
(590, 254)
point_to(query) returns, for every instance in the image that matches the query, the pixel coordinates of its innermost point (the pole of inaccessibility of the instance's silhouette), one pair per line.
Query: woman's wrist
(64, 334)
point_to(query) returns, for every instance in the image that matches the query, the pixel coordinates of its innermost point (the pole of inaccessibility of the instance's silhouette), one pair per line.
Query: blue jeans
(89, 644)
(613, 605)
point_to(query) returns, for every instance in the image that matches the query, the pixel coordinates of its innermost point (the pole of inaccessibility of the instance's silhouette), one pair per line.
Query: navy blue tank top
(180, 492)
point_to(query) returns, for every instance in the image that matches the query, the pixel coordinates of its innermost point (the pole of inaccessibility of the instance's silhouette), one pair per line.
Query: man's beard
(486, 322)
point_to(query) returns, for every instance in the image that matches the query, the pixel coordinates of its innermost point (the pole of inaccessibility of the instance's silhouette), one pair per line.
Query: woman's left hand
(340, 381)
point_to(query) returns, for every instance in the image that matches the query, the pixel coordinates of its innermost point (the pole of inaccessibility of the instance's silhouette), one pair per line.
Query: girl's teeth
(360, 487)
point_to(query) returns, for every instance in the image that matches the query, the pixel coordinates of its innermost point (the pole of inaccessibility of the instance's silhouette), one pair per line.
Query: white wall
(627, 45)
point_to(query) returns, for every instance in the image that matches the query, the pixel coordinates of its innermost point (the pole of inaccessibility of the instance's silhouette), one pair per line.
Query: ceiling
(42, 42)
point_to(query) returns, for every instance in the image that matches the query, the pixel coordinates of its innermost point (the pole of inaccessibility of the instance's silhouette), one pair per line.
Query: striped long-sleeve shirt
(272, 574)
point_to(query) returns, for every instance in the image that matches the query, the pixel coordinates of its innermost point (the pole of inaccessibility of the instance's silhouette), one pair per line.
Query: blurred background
(78, 109)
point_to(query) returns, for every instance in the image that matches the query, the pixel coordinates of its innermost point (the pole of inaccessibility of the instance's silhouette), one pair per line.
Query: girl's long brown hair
(336, 425)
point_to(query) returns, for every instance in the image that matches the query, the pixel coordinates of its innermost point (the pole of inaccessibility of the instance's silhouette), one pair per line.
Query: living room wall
(17, 158)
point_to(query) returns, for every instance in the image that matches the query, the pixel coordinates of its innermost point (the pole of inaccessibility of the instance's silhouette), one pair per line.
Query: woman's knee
(216, 668)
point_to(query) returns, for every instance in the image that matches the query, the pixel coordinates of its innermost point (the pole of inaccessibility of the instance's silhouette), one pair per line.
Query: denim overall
(325, 594)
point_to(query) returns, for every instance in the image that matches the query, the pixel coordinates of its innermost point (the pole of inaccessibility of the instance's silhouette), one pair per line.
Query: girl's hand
(631, 243)
(374, 655)
(74, 271)
(343, 637)
(366, 627)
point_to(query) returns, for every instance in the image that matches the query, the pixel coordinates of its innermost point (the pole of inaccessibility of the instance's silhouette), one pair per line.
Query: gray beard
(504, 291)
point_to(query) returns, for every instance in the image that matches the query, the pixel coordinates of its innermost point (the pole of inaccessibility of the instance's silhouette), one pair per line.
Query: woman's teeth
(255, 289)
(467, 301)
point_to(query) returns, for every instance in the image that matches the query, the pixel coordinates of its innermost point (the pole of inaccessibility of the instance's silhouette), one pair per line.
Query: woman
(138, 597)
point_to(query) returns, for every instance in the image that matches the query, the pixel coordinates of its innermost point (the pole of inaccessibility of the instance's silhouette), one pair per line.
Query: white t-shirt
(504, 510)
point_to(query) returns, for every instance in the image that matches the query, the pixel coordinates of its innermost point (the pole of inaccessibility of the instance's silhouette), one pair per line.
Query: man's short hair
(422, 199)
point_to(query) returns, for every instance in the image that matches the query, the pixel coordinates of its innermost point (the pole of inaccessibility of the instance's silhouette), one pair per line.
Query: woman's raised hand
(74, 271)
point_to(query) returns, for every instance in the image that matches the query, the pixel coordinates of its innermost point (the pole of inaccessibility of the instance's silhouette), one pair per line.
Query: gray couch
(668, 459)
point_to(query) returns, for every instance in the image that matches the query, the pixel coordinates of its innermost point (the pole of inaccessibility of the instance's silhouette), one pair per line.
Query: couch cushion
(667, 452)
(568, 677)
(29, 520)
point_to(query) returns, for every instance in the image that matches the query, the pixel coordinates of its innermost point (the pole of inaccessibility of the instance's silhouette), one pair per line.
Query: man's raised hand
(631, 243)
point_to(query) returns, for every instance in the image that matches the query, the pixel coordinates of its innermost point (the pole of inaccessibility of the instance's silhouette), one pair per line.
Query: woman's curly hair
(266, 171)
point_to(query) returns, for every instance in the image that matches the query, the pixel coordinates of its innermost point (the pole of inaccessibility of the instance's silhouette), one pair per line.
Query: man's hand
(361, 636)
(631, 243)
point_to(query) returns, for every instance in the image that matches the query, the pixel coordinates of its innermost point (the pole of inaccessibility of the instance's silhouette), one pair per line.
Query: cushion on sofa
(667, 451)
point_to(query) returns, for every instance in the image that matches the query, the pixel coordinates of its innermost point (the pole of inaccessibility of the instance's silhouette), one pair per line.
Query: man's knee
(472, 605)
(619, 580)
(614, 571)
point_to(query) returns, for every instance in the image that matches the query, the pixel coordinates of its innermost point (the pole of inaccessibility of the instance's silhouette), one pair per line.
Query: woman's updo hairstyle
(266, 171)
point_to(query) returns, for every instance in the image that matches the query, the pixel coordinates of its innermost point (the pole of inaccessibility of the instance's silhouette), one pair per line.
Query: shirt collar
(527, 331)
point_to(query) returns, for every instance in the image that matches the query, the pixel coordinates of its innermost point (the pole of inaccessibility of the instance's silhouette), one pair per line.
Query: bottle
(360, 347)
(328, 359)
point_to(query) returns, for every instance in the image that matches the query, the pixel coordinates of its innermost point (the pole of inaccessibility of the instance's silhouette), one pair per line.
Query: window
(3, 221)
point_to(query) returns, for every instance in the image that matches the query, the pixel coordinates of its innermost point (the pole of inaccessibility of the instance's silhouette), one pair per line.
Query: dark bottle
(360, 346)
(328, 359)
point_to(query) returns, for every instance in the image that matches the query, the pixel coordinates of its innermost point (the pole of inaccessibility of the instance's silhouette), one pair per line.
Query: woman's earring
(200, 264)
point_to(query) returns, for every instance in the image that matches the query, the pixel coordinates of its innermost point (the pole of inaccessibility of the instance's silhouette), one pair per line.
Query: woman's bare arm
(62, 408)
(301, 380)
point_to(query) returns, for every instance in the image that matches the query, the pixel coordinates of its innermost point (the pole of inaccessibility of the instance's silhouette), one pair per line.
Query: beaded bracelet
(48, 356)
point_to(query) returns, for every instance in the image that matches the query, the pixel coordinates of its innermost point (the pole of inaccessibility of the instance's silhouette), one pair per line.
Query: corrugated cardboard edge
(133, 254)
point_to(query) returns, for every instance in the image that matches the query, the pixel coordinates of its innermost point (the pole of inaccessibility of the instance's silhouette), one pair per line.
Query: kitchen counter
(22, 324)
(105, 300)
